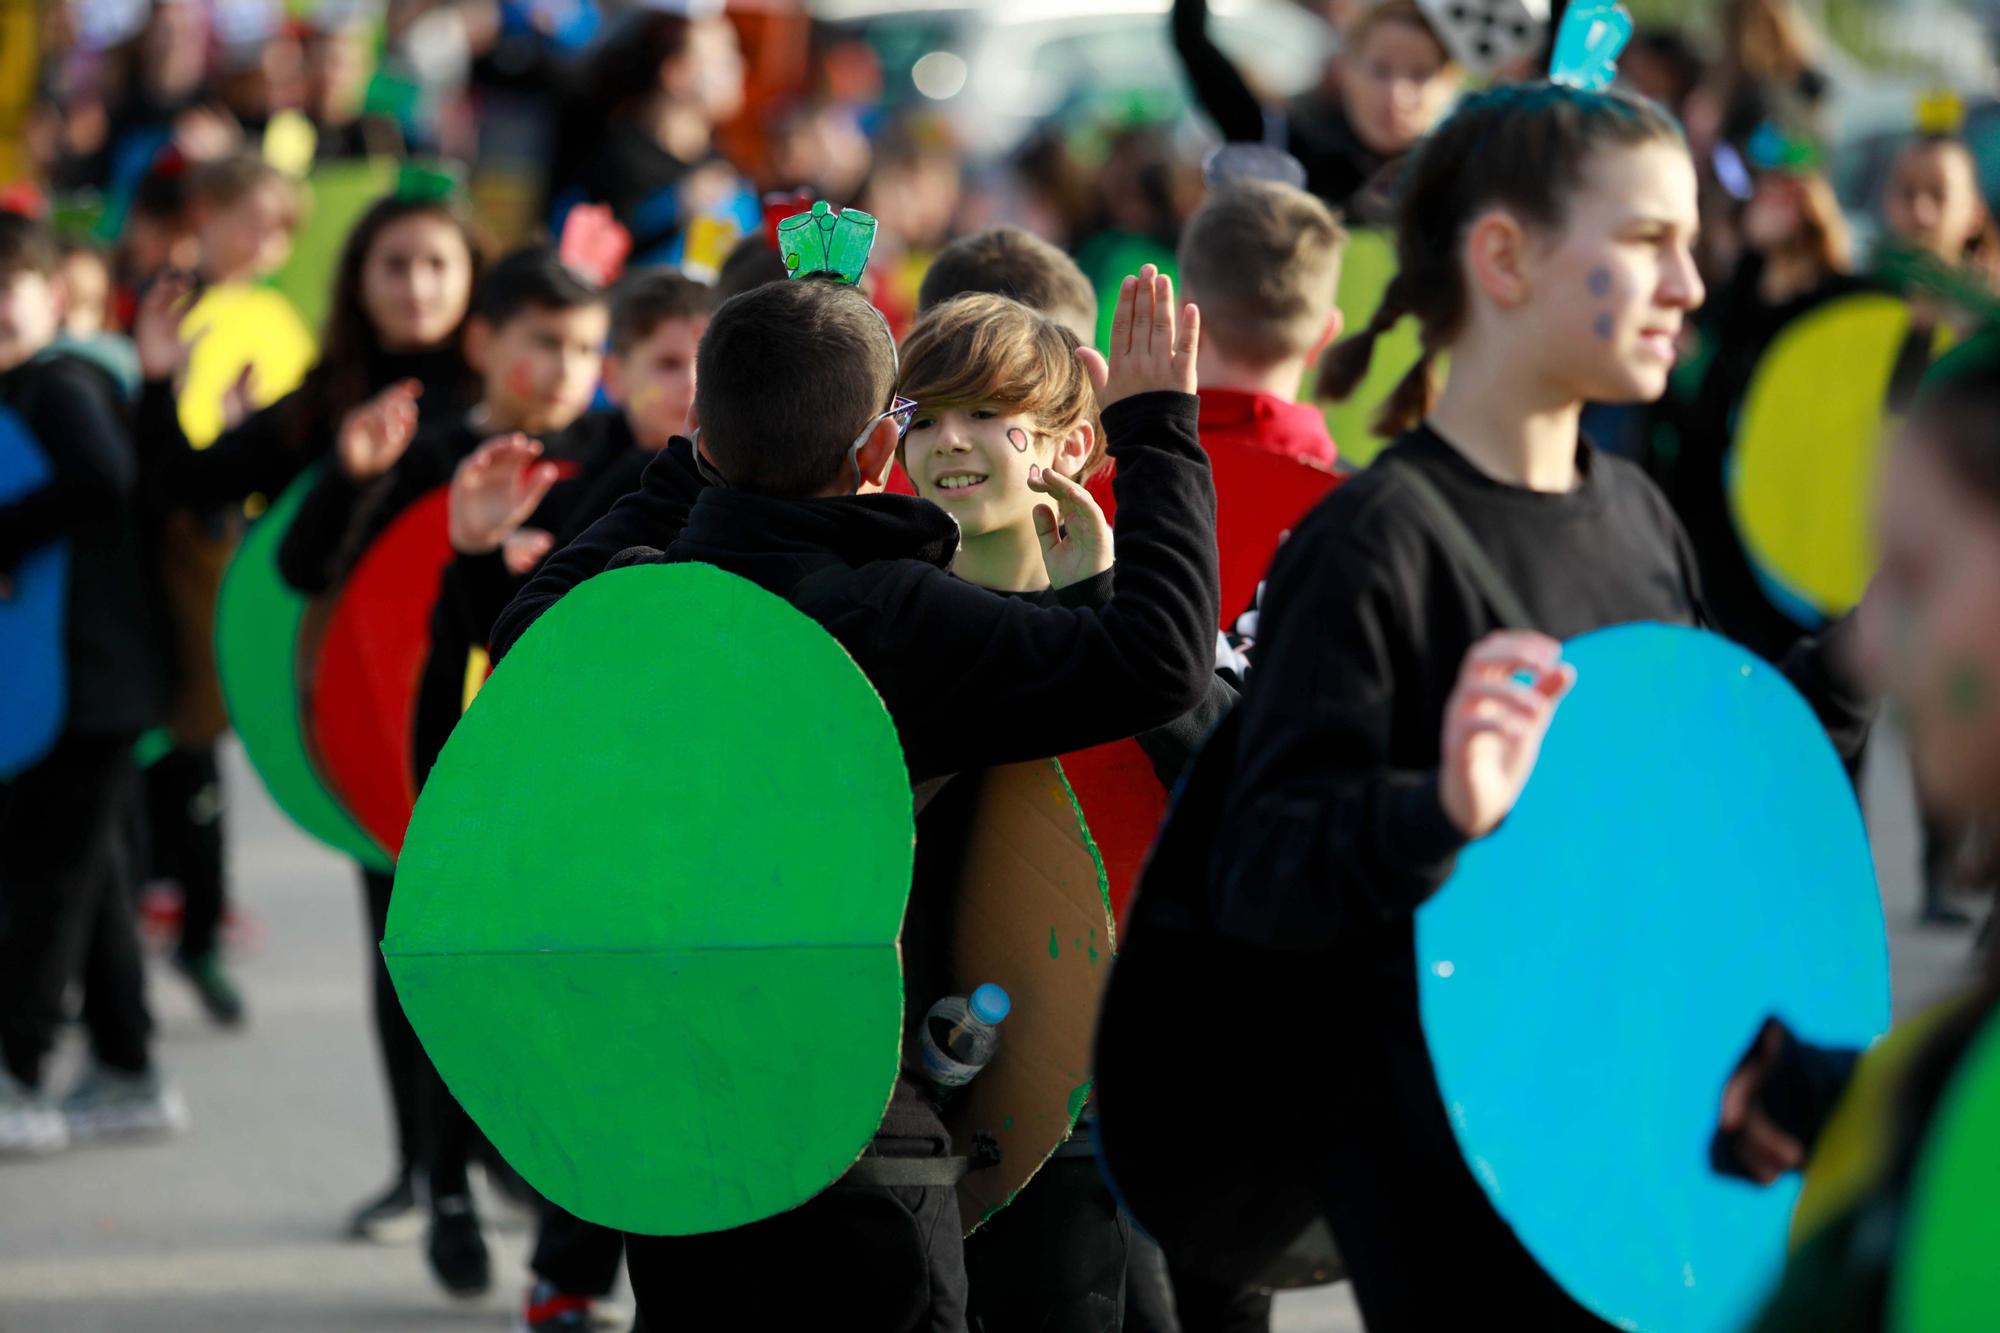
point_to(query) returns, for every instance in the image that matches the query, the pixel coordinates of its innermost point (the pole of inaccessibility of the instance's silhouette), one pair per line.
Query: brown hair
(1008, 261)
(1262, 260)
(225, 181)
(1407, 12)
(1827, 240)
(648, 297)
(1764, 41)
(1522, 147)
(787, 375)
(982, 348)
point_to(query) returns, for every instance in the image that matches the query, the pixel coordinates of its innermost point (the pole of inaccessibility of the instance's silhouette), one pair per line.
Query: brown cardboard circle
(1032, 916)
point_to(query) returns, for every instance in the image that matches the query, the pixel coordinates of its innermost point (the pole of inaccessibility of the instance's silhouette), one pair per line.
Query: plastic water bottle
(961, 1035)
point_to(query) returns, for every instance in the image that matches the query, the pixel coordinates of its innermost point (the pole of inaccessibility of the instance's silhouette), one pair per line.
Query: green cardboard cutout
(646, 915)
(340, 192)
(1943, 1280)
(257, 623)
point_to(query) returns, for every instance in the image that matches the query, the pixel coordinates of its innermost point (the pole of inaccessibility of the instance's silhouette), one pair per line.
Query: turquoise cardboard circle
(34, 661)
(646, 914)
(257, 621)
(1943, 1280)
(1686, 860)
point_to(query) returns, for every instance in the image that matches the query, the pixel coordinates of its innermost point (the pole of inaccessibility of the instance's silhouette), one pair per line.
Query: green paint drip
(1008, 1123)
(1965, 690)
(1093, 955)
(1078, 1095)
(1055, 949)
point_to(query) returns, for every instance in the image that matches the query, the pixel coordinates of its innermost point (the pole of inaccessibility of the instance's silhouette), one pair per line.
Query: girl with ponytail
(1409, 655)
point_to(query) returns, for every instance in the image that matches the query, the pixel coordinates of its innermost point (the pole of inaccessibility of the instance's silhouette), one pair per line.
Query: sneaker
(28, 1124)
(391, 1216)
(551, 1310)
(111, 1103)
(218, 993)
(457, 1250)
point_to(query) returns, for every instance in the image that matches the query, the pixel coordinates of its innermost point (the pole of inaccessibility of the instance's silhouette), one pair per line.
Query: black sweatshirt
(1332, 834)
(120, 673)
(1313, 128)
(267, 451)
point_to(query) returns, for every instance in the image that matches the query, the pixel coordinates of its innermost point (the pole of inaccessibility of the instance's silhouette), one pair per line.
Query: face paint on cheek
(1965, 690)
(1600, 282)
(1602, 328)
(1019, 439)
(521, 380)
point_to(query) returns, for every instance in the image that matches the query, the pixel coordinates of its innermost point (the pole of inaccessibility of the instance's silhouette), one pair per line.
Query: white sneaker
(110, 1103)
(28, 1124)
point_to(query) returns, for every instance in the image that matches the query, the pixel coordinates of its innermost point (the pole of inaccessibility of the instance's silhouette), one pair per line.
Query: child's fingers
(1124, 317)
(1095, 366)
(1189, 344)
(1046, 528)
(1163, 317)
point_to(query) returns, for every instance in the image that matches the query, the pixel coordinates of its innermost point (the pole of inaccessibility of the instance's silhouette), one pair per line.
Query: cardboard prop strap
(663, 975)
(1718, 820)
(34, 659)
(259, 633)
(369, 664)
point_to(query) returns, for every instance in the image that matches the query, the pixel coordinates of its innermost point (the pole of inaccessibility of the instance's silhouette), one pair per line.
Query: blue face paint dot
(1600, 282)
(1602, 328)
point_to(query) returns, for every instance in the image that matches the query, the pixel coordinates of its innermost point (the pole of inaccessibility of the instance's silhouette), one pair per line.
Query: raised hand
(1075, 535)
(1151, 348)
(1494, 723)
(374, 435)
(238, 400)
(156, 327)
(493, 492)
(526, 549)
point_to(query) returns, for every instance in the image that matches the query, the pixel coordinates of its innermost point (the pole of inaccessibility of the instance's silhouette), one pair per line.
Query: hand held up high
(1744, 1127)
(156, 328)
(494, 491)
(1152, 348)
(374, 435)
(1494, 722)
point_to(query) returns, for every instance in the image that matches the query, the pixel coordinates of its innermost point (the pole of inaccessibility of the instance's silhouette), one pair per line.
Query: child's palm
(1151, 350)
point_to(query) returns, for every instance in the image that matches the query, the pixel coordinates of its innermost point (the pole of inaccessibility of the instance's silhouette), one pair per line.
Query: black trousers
(889, 1259)
(67, 906)
(404, 1063)
(1054, 1259)
(580, 1258)
(184, 819)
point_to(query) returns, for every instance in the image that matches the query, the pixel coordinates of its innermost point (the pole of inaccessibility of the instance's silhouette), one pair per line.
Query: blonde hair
(1262, 259)
(982, 348)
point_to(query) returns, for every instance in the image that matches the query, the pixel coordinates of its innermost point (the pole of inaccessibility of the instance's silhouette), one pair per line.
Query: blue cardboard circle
(33, 660)
(1687, 860)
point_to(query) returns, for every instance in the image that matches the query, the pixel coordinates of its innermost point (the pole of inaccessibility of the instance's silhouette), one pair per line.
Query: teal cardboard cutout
(258, 620)
(646, 915)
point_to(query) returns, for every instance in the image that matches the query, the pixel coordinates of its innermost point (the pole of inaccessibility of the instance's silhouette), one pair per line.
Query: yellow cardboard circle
(233, 326)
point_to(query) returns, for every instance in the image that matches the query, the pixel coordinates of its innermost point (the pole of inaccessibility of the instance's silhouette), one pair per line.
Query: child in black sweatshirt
(66, 876)
(1544, 242)
(970, 679)
(399, 300)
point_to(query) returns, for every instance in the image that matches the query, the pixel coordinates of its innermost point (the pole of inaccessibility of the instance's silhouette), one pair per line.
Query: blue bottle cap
(990, 1004)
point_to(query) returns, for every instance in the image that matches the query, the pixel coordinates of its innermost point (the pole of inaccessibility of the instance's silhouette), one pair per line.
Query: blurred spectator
(819, 146)
(1392, 81)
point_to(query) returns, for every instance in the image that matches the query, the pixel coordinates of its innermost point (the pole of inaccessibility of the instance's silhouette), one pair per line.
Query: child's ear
(878, 454)
(1335, 322)
(478, 344)
(1496, 255)
(614, 381)
(1073, 448)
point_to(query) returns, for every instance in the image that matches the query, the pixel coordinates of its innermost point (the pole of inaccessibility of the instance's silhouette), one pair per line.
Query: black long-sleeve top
(120, 675)
(267, 451)
(1313, 128)
(1333, 833)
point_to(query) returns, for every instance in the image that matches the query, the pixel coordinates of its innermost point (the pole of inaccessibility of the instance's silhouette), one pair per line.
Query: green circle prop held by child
(646, 916)
(1943, 1281)
(257, 624)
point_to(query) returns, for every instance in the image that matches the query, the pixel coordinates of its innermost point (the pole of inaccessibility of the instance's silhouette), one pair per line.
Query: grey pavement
(236, 1225)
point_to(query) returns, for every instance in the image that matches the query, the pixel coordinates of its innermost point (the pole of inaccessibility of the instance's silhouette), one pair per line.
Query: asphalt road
(236, 1225)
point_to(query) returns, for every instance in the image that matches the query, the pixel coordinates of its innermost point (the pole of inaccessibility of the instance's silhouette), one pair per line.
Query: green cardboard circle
(1366, 268)
(646, 915)
(1943, 1279)
(257, 621)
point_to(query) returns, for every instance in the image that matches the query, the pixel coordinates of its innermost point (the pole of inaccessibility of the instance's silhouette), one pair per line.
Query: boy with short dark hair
(799, 425)
(1008, 261)
(65, 876)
